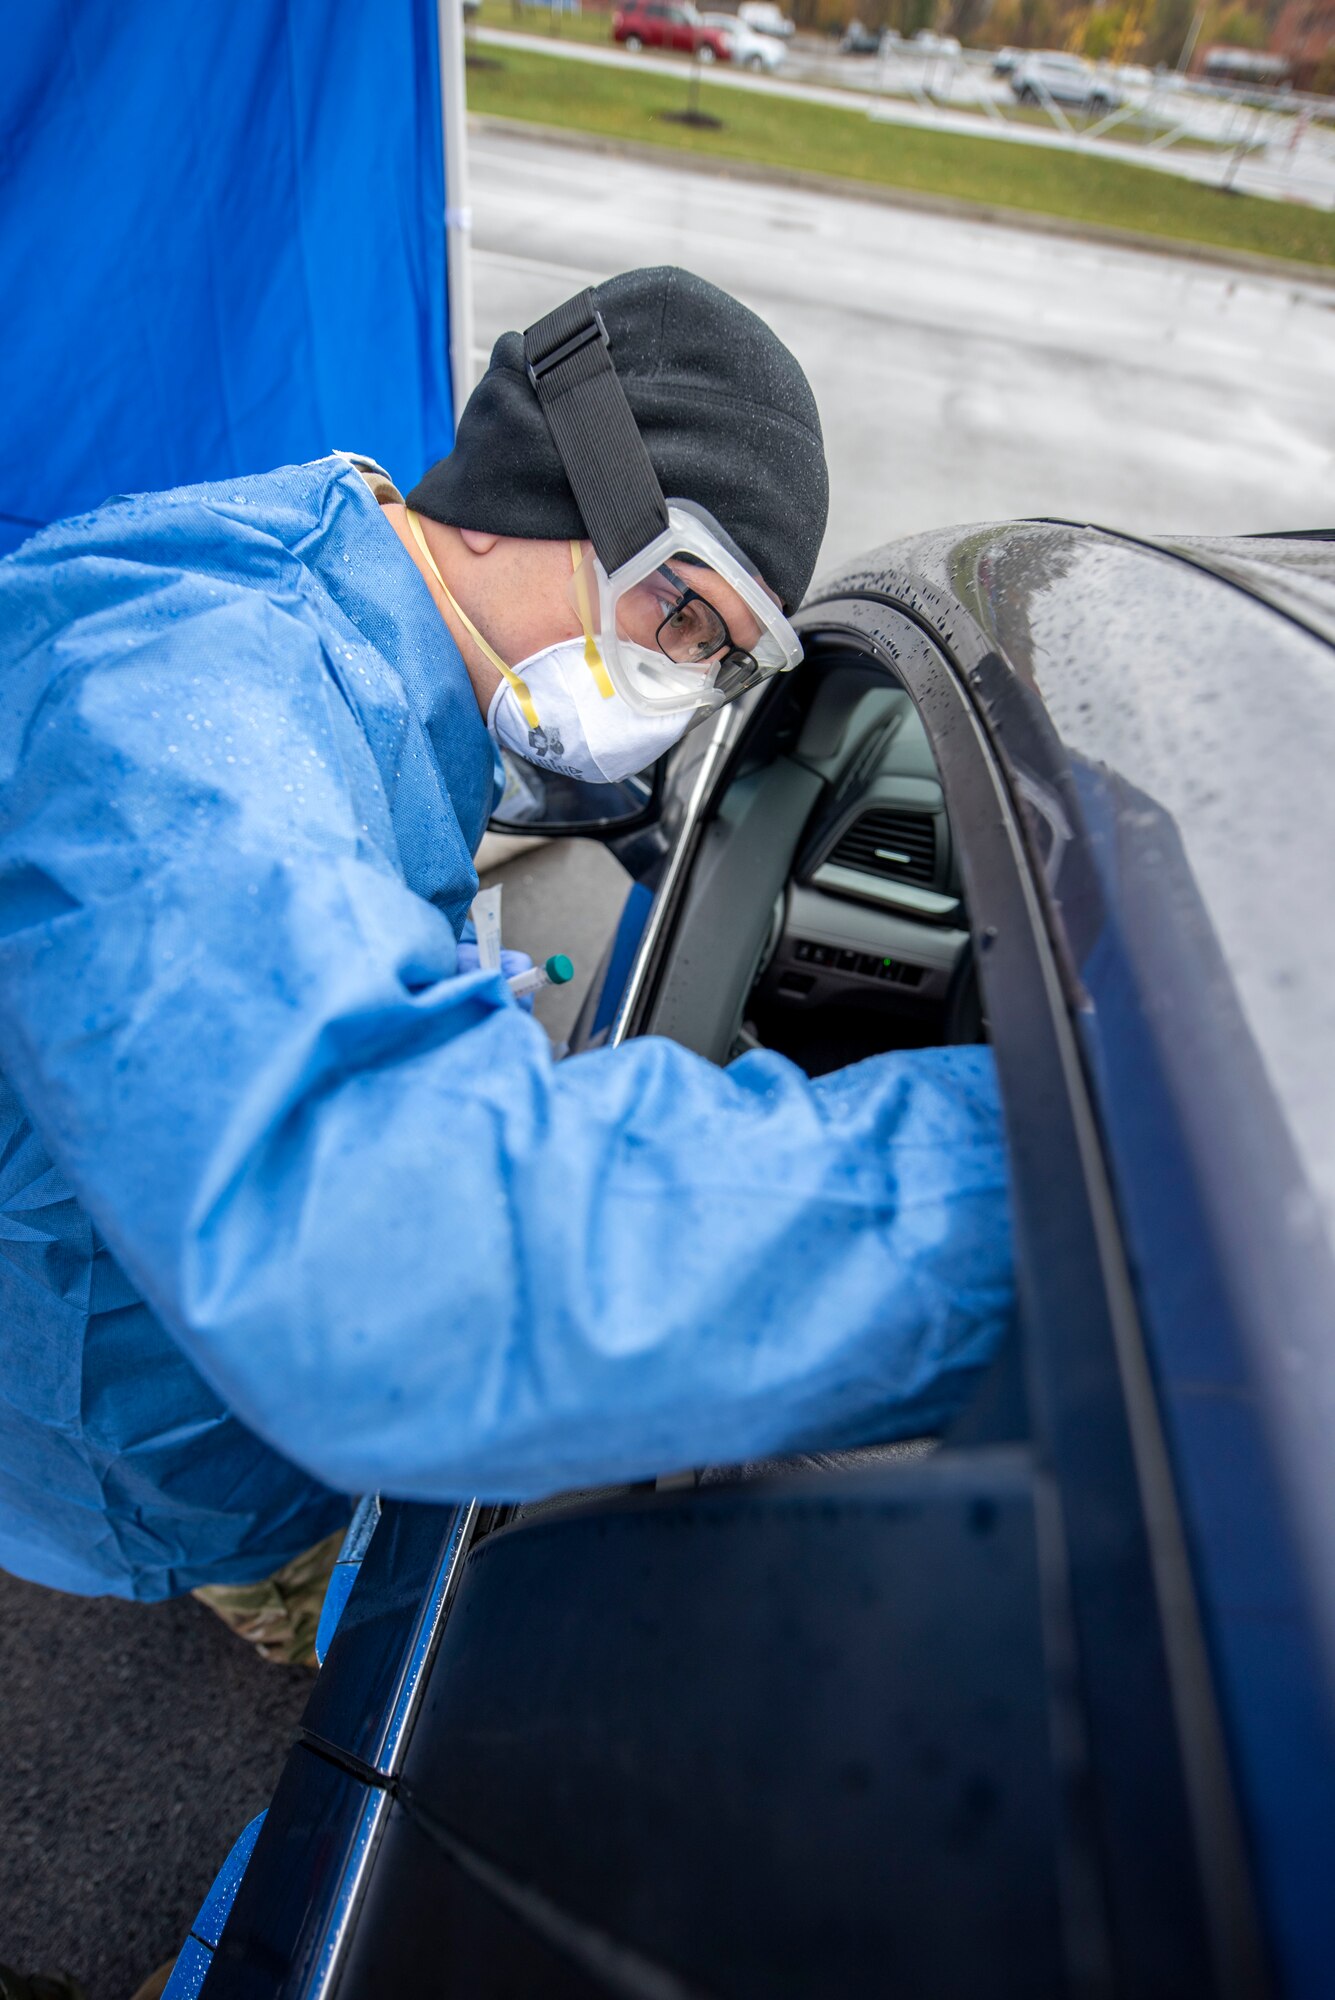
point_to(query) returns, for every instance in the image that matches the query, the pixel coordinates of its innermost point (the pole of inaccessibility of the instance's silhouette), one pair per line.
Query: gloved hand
(511, 963)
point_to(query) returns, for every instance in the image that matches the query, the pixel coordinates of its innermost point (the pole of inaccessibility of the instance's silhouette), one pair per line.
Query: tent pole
(458, 214)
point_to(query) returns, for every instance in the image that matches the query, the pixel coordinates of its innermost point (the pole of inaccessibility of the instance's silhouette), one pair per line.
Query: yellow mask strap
(521, 693)
(593, 659)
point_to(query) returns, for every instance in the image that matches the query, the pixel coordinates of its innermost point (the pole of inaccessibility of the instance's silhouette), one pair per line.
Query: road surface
(964, 370)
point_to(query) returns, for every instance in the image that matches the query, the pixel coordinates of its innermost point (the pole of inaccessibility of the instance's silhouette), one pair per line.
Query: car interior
(823, 912)
(824, 917)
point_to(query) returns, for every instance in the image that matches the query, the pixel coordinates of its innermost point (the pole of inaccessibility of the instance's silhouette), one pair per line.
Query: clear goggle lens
(685, 634)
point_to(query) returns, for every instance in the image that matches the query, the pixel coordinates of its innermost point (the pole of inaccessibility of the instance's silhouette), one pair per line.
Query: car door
(1196, 938)
(1132, 694)
(682, 29)
(932, 1722)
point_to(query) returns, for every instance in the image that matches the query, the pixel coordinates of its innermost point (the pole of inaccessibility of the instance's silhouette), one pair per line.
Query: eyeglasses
(662, 645)
(695, 632)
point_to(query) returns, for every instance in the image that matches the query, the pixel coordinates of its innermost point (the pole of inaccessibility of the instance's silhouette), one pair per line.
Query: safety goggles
(685, 623)
(675, 617)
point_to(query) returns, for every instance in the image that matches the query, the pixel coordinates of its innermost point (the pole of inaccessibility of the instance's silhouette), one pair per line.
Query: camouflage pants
(279, 1616)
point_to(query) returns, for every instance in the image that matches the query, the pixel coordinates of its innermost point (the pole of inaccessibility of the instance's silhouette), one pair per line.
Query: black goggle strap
(569, 361)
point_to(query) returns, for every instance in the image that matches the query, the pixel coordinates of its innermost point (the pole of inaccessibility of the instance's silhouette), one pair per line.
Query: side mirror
(545, 802)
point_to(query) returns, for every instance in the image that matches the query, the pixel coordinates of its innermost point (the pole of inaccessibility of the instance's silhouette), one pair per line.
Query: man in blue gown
(294, 1203)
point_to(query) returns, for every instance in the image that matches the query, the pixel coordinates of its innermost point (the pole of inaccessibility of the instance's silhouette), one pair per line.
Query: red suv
(666, 24)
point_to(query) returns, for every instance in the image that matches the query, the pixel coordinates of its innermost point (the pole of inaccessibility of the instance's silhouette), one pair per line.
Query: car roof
(1294, 573)
(1202, 670)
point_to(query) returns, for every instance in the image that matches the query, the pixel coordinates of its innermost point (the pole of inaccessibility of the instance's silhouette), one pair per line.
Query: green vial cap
(559, 969)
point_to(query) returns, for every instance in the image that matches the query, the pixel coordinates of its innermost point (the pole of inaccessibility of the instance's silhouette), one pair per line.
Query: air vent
(898, 845)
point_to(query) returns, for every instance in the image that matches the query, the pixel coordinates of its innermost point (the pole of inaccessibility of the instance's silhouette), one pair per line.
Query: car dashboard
(824, 916)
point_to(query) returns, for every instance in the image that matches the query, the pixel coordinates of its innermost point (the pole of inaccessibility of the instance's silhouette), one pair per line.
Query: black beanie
(725, 412)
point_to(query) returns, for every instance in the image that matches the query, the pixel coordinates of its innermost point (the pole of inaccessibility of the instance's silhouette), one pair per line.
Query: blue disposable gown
(292, 1209)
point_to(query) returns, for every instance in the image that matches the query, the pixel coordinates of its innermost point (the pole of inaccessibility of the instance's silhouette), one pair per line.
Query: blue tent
(222, 244)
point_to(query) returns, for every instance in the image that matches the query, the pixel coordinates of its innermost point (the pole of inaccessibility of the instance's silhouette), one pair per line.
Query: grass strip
(772, 130)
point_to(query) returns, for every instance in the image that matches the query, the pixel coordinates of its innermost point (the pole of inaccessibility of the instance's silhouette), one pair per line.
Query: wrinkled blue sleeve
(412, 1252)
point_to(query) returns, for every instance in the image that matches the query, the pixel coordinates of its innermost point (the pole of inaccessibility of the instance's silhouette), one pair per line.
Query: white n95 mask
(578, 729)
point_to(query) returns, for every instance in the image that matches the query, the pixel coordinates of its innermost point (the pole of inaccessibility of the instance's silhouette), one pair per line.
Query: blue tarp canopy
(222, 244)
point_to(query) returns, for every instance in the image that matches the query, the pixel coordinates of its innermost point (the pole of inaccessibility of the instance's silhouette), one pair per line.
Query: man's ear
(476, 542)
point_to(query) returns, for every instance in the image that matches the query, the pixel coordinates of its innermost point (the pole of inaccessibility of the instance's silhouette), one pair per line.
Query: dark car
(859, 41)
(660, 24)
(1042, 1706)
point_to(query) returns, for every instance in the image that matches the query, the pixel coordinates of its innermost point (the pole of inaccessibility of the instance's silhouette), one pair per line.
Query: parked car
(925, 43)
(859, 41)
(667, 24)
(1046, 1706)
(1004, 61)
(766, 18)
(1230, 65)
(1068, 80)
(749, 49)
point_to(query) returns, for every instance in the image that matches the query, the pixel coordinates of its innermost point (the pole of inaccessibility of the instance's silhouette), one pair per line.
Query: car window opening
(825, 920)
(825, 916)
(870, 947)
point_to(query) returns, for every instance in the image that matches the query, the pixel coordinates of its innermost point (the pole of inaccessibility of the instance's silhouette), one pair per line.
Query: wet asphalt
(964, 370)
(136, 1740)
